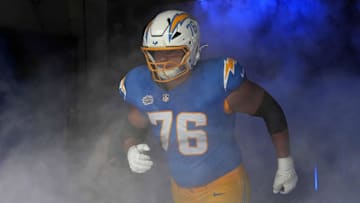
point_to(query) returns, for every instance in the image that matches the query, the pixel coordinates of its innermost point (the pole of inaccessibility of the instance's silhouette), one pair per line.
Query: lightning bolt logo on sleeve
(229, 66)
(122, 86)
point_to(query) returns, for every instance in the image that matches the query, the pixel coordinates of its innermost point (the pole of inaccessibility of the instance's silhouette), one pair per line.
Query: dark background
(61, 62)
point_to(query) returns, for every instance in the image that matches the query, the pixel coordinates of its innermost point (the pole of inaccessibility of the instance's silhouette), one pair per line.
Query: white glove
(286, 177)
(139, 162)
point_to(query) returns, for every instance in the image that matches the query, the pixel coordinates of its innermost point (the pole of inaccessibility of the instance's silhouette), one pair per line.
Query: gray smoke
(304, 54)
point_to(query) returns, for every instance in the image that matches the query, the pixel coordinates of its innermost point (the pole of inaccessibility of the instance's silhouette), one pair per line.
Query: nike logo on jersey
(218, 193)
(229, 66)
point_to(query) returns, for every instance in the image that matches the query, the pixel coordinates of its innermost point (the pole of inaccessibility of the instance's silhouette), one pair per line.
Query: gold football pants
(233, 187)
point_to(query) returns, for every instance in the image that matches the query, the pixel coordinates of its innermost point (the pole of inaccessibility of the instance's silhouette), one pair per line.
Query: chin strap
(203, 46)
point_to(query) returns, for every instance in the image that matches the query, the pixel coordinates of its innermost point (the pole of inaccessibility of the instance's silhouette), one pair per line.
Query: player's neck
(173, 84)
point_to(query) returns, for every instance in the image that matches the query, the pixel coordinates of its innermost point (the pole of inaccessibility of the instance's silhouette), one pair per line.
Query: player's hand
(286, 177)
(139, 162)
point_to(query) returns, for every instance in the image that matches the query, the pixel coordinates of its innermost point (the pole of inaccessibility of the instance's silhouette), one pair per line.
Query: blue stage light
(316, 180)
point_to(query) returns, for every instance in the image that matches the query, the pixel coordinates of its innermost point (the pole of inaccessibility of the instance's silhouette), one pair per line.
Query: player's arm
(133, 134)
(252, 99)
(135, 128)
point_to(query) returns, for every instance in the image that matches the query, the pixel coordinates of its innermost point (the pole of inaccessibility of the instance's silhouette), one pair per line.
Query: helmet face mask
(168, 63)
(171, 45)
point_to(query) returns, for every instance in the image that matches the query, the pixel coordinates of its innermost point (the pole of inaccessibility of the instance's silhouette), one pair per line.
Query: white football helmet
(169, 33)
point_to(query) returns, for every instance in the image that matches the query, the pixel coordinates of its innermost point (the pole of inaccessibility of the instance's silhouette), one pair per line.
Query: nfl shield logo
(166, 97)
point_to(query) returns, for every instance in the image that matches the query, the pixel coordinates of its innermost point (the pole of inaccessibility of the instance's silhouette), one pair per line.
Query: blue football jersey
(189, 121)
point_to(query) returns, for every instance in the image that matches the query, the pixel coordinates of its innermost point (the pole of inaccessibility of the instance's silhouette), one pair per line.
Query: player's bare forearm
(281, 143)
(135, 129)
(129, 141)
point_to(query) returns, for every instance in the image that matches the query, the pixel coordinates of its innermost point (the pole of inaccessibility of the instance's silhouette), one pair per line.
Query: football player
(190, 105)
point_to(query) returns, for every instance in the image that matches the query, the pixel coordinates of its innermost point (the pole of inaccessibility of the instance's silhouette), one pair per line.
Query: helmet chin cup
(163, 75)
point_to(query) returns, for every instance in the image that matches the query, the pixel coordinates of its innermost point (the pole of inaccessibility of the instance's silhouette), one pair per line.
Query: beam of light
(316, 180)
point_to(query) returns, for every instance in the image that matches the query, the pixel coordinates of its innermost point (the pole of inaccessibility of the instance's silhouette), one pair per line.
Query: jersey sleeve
(122, 87)
(130, 86)
(233, 74)
(127, 87)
